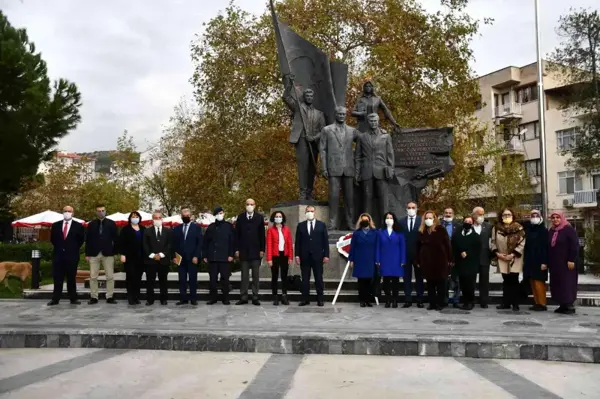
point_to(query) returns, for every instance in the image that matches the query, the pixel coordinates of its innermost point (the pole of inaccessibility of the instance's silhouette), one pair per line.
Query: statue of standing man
(306, 129)
(374, 165)
(337, 164)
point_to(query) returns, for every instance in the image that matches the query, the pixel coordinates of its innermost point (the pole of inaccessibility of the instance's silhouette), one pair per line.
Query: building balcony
(513, 145)
(509, 111)
(585, 199)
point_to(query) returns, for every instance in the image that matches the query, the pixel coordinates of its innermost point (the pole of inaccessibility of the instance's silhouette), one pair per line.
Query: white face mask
(219, 217)
(480, 219)
(68, 215)
(428, 222)
(135, 220)
(157, 222)
(389, 222)
(448, 220)
(411, 212)
(536, 220)
(310, 215)
(507, 219)
(250, 208)
(278, 220)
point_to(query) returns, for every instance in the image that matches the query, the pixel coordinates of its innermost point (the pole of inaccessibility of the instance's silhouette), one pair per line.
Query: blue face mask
(135, 220)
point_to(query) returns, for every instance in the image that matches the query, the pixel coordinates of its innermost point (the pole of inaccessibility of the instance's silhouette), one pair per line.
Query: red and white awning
(46, 219)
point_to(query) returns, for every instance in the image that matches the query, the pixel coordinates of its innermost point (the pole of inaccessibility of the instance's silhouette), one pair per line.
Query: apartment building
(509, 106)
(88, 164)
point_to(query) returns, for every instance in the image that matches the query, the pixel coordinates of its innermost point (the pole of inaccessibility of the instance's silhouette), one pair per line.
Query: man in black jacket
(452, 227)
(410, 228)
(67, 237)
(158, 250)
(250, 244)
(218, 249)
(312, 251)
(484, 229)
(100, 243)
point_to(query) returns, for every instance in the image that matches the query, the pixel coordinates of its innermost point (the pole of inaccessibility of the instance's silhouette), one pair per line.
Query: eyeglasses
(505, 215)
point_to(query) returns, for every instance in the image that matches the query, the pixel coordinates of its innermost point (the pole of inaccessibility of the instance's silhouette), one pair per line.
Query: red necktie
(65, 230)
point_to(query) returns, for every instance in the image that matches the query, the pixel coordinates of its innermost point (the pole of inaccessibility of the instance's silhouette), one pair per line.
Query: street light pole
(541, 113)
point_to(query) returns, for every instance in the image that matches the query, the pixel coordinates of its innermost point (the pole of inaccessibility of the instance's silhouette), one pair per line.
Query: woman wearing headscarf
(466, 245)
(508, 245)
(363, 246)
(536, 259)
(434, 257)
(130, 248)
(391, 257)
(562, 253)
(370, 103)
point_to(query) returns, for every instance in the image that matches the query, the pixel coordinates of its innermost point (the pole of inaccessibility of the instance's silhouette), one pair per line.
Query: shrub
(592, 251)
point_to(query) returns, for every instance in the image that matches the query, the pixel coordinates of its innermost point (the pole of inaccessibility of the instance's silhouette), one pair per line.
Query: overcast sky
(131, 58)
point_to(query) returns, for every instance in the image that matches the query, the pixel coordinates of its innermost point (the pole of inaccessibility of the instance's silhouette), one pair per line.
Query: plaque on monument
(420, 155)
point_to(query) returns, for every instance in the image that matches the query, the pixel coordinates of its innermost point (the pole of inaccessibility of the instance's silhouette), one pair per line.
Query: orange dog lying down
(22, 270)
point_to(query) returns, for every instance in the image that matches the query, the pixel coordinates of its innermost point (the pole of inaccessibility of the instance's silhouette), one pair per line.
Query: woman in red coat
(434, 257)
(280, 254)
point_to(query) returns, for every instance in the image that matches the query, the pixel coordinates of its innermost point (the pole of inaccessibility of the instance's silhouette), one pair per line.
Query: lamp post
(541, 113)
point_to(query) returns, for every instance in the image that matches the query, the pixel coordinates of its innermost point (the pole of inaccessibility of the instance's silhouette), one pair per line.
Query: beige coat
(499, 243)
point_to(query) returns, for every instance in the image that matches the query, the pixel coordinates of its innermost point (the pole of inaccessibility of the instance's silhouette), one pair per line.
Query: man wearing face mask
(312, 251)
(158, 250)
(100, 243)
(67, 237)
(218, 249)
(453, 283)
(250, 249)
(484, 229)
(409, 226)
(188, 244)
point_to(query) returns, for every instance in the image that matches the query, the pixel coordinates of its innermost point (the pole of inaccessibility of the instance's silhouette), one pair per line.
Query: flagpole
(541, 113)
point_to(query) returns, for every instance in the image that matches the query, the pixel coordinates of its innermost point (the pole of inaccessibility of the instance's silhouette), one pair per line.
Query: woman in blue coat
(391, 257)
(362, 256)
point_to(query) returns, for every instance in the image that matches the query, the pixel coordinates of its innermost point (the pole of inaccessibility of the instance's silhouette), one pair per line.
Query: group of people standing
(450, 255)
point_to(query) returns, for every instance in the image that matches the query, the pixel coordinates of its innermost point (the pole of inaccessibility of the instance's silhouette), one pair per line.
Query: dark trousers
(188, 272)
(306, 266)
(510, 289)
(408, 273)
(214, 270)
(280, 263)
(436, 290)
(60, 270)
(391, 286)
(152, 270)
(467, 286)
(306, 166)
(133, 279)
(375, 188)
(484, 284)
(248, 265)
(346, 185)
(364, 289)
(452, 283)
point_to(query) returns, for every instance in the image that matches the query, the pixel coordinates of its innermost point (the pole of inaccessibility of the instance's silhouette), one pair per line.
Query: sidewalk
(343, 329)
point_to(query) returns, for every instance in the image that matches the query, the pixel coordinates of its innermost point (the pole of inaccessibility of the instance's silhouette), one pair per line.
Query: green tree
(577, 61)
(34, 112)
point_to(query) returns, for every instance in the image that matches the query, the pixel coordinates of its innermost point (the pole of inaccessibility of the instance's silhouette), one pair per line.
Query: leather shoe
(407, 305)
(194, 303)
(181, 303)
(76, 302)
(455, 305)
(503, 307)
(284, 300)
(148, 303)
(363, 305)
(515, 308)
(226, 302)
(394, 304)
(276, 302)
(52, 303)
(431, 307)
(369, 305)
(137, 302)
(484, 306)
(387, 304)
(304, 303)
(211, 302)
(420, 305)
(164, 303)
(256, 302)
(320, 303)
(241, 302)
(112, 301)
(92, 301)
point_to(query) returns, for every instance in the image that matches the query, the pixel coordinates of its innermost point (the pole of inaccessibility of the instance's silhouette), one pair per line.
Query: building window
(569, 182)
(596, 182)
(533, 130)
(526, 94)
(533, 167)
(567, 139)
(478, 104)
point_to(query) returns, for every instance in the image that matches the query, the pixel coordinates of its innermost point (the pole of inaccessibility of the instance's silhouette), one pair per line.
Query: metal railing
(509, 109)
(585, 197)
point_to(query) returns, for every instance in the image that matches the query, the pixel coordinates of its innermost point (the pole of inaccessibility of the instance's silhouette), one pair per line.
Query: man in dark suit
(100, 244)
(188, 244)
(484, 229)
(158, 250)
(312, 251)
(452, 227)
(409, 226)
(250, 249)
(67, 237)
(218, 250)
